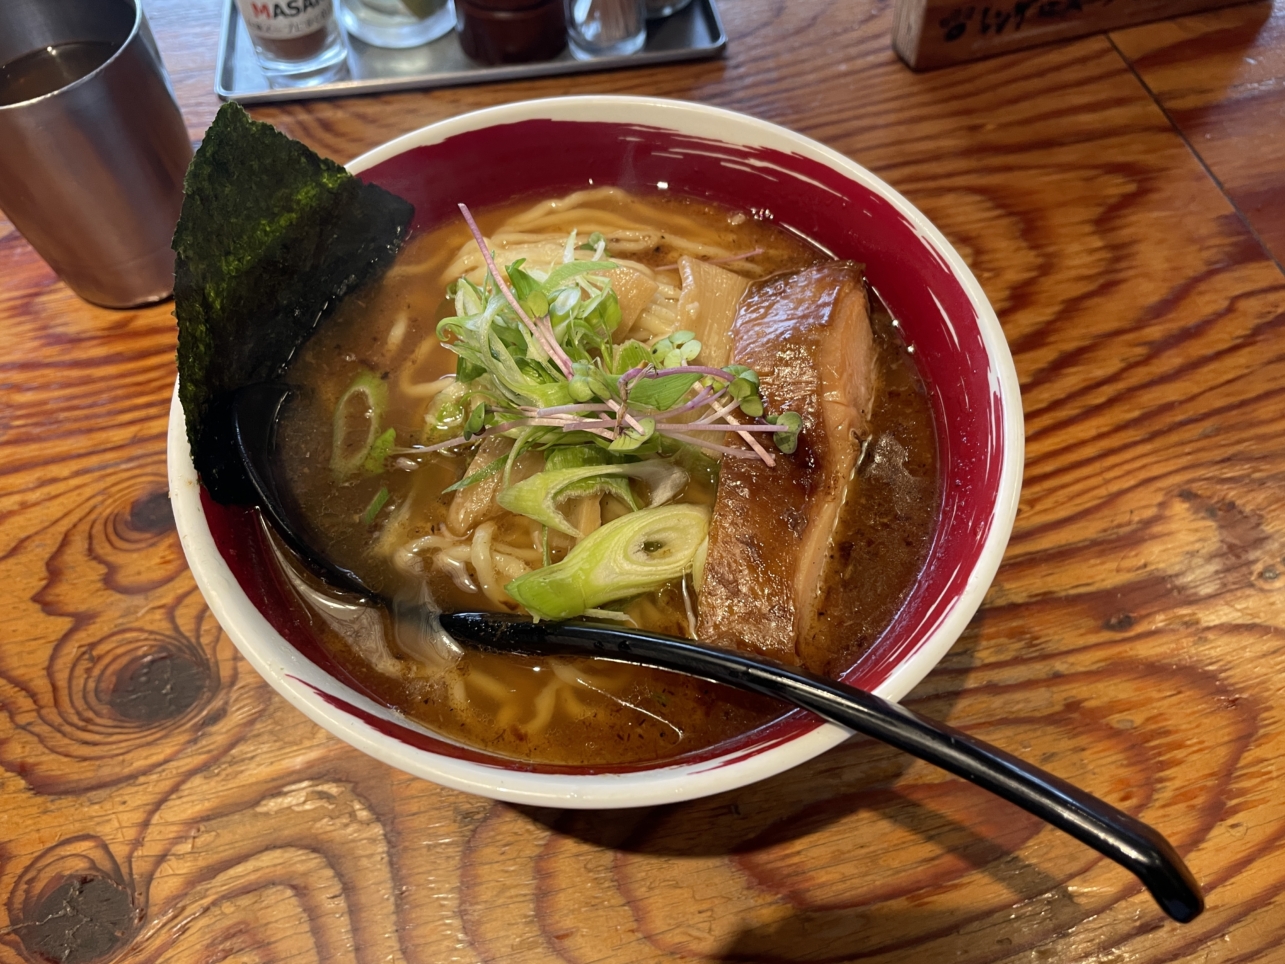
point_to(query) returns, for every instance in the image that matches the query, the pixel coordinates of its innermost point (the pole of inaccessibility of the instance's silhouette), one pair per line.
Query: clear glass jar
(397, 23)
(663, 8)
(297, 42)
(606, 28)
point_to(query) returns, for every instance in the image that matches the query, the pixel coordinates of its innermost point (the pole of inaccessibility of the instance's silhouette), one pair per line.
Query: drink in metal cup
(93, 148)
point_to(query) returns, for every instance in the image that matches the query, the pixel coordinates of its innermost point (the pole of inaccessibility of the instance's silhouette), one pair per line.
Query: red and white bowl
(557, 145)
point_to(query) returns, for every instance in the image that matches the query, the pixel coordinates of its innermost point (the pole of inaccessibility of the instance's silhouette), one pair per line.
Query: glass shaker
(397, 23)
(606, 28)
(663, 8)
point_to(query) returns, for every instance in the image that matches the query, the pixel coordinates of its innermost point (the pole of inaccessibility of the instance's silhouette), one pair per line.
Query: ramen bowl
(556, 146)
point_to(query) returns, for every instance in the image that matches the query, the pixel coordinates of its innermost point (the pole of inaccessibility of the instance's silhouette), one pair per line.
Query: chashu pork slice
(807, 334)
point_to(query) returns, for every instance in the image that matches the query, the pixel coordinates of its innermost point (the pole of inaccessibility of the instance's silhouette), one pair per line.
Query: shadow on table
(849, 842)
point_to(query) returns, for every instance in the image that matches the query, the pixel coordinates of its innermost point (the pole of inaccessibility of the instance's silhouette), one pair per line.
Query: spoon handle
(1134, 845)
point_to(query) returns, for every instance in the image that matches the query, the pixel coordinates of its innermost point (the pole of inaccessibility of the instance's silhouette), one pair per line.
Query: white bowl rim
(298, 680)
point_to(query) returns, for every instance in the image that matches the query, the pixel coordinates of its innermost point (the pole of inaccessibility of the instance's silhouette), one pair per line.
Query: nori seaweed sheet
(270, 239)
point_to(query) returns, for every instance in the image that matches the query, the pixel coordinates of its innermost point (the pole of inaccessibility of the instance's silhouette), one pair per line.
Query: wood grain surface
(1221, 78)
(928, 34)
(160, 803)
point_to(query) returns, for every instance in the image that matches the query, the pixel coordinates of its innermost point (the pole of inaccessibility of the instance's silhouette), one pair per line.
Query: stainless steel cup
(92, 173)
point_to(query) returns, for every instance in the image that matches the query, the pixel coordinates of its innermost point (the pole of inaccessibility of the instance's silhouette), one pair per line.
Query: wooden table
(1122, 200)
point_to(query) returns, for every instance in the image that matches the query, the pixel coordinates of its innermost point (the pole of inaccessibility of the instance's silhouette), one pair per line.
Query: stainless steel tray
(691, 34)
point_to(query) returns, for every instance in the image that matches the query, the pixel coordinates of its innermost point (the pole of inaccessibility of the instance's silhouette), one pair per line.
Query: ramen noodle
(443, 455)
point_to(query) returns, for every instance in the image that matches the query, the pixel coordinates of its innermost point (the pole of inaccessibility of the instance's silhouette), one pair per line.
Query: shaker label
(281, 19)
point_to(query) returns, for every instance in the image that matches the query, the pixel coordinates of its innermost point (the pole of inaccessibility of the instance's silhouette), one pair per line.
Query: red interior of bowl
(544, 157)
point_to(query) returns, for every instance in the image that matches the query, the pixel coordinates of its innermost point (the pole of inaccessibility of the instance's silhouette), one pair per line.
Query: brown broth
(604, 714)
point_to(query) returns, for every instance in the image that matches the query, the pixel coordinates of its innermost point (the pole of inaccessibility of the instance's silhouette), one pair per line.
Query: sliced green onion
(563, 273)
(538, 497)
(577, 457)
(379, 451)
(535, 345)
(536, 304)
(476, 421)
(628, 556)
(523, 283)
(446, 415)
(483, 473)
(630, 438)
(664, 392)
(519, 445)
(350, 444)
(377, 503)
(630, 355)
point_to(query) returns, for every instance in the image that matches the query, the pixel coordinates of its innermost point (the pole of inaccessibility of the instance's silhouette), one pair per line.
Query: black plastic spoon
(1134, 845)
(254, 413)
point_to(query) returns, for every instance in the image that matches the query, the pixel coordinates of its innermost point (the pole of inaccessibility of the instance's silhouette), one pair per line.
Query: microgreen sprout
(537, 351)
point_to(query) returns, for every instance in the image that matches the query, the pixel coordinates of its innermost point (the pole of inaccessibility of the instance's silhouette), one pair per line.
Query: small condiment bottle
(605, 28)
(297, 42)
(510, 31)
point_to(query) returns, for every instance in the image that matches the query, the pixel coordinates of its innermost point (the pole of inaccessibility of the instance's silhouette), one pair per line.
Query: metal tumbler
(91, 173)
